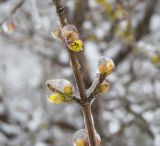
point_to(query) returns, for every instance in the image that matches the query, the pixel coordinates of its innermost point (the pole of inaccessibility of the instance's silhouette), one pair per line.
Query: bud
(102, 68)
(104, 87)
(110, 66)
(80, 138)
(56, 98)
(70, 33)
(106, 65)
(8, 27)
(59, 84)
(81, 142)
(56, 32)
(68, 89)
(76, 45)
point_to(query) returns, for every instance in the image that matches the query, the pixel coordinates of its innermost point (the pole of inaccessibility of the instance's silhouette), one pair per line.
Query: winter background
(128, 31)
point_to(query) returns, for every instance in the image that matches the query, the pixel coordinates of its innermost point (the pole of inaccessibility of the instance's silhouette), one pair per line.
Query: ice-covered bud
(56, 98)
(59, 84)
(59, 91)
(80, 138)
(56, 32)
(8, 27)
(76, 45)
(105, 66)
(70, 33)
(104, 87)
(81, 142)
(102, 68)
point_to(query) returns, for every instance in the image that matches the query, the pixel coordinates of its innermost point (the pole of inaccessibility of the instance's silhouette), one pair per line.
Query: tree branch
(79, 80)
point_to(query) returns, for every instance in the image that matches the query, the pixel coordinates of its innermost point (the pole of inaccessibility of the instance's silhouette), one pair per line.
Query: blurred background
(128, 31)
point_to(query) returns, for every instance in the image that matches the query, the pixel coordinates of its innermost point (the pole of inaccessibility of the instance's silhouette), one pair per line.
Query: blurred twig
(18, 6)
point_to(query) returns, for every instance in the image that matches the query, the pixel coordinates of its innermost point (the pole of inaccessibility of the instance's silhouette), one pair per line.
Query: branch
(74, 61)
(79, 80)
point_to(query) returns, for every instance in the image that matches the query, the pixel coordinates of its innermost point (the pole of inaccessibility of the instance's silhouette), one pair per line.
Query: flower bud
(81, 142)
(110, 66)
(80, 138)
(105, 66)
(56, 34)
(70, 33)
(68, 89)
(56, 31)
(76, 45)
(104, 87)
(102, 68)
(56, 98)
(8, 27)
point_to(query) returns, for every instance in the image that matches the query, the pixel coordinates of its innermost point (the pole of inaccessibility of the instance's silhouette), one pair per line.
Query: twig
(18, 6)
(94, 89)
(79, 80)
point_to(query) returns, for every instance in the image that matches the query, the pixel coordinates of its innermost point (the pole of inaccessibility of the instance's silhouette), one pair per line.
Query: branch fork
(84, 97)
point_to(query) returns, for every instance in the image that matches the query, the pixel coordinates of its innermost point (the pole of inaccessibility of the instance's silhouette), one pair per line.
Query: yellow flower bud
(68, 89)
(104, 87)
(76, 45)
(56, 98)
(106, 66)
(81, 142)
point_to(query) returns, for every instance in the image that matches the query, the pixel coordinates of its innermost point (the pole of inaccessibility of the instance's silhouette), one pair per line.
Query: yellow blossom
(76, 45)
(56, 98)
